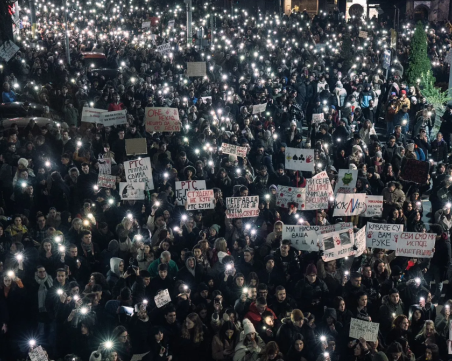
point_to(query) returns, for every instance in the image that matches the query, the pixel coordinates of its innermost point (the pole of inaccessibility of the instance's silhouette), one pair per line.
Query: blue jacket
(8, 97)
(400, 117)
(420, 154)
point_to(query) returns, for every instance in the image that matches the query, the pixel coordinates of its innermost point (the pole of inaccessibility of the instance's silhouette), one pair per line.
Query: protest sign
(106, 181)
(363, 34)
(259, 108)
(318, 118)
(300, 159)
(337, 244)
(183, 187)
(92, 115)
(145, 24)
(138, 356)
(324, 175)
(318, 192)
(161, 119)
(303, 238)
(164, 49)
(383, 235)
(415, 171)
(351, 204)
(360, 242)
(365, 329)
(374, 206)
(204, 99)
(171, 24)
(286, 195)
(203, 199)
(139, 170)
(415, 245)
(234, 150)
(346, 181)
(242, 207)
(117, 117)
(131, 191)
(8, 50)
(136, 146)
(333, 227)
(162, 298)
(104, 165)
(197, 68)
(37, 354)
(449, 344)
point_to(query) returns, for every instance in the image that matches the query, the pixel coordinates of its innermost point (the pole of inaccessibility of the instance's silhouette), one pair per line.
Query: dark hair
(261, 301)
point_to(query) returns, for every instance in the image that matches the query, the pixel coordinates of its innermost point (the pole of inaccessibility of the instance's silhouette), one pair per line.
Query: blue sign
(386, 59)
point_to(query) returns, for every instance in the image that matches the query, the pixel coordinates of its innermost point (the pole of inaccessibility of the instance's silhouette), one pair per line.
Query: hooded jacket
(191, 276)
(113, 275)
(340, 93)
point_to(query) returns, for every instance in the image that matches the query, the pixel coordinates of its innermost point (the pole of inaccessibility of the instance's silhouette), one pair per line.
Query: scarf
(42, 291)
(87, 247)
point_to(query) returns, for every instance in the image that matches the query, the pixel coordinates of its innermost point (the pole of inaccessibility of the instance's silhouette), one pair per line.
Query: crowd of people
(86, 275)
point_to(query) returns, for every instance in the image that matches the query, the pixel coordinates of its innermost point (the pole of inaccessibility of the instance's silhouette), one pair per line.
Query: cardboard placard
(351, 204)
(360, 242)
(171, 24)
(106, 181)
(145, 24)
(337, 244)
(242, 207)
(299, 159)
(117, 117)
(8, 50)
(162, 119)
(139, 170)
(197, 68)
(382, 235)
(286, 195)
(183, 187)
(333, 227)
(164, 49)
(234, 150)
(136, 146)
(363, 34)
(365, 329)
(374, 206)
(318, 118)
(415, 171)
(346, 181)
(318, 190)
(302, 238)
(200, 200)
(104, 165)
(138, 356)
(37, 354)
(259, 108)
(132, 191)
(416, 245)
(92, 115)
(162, 298)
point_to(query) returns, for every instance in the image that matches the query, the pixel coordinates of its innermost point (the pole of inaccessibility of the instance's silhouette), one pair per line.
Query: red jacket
(113, 107)
(254, 316)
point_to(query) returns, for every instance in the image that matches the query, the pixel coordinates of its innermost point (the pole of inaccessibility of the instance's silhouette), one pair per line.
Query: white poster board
(299, 159)
(106, 181)
(360, 242)
(374, 206)
(145, 24)
(259, 108)
(363, 34)
(92, 115)
(200, 200)
(416, 245)
(346, 181)
(171, 24)
(183, 187)
(318, 118)
(37, 354)
(8, 50)
(242, 207)
(117, 117)
(132, 191)
(162, 119)
(139, 170)
(162, 298)
(336, 245)
(318, 191)
(351, 204)
(164, 49)
(234, 150)
(197, 68)
(286, 195)
(383, 235)
(302, 238)
(104, 165)
(365, 329)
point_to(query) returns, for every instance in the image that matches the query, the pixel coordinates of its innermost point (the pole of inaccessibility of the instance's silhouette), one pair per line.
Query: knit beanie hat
(247, 327)
(22, 163)
(311, 269)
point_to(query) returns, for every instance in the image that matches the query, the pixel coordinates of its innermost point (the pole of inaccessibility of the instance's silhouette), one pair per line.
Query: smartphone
(127, 310)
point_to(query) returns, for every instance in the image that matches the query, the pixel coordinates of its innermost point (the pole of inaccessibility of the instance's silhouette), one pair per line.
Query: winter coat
(254, 316)
(439, 151)
(387, 310)
(248, 353)
(286, 334)
(397, 197)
